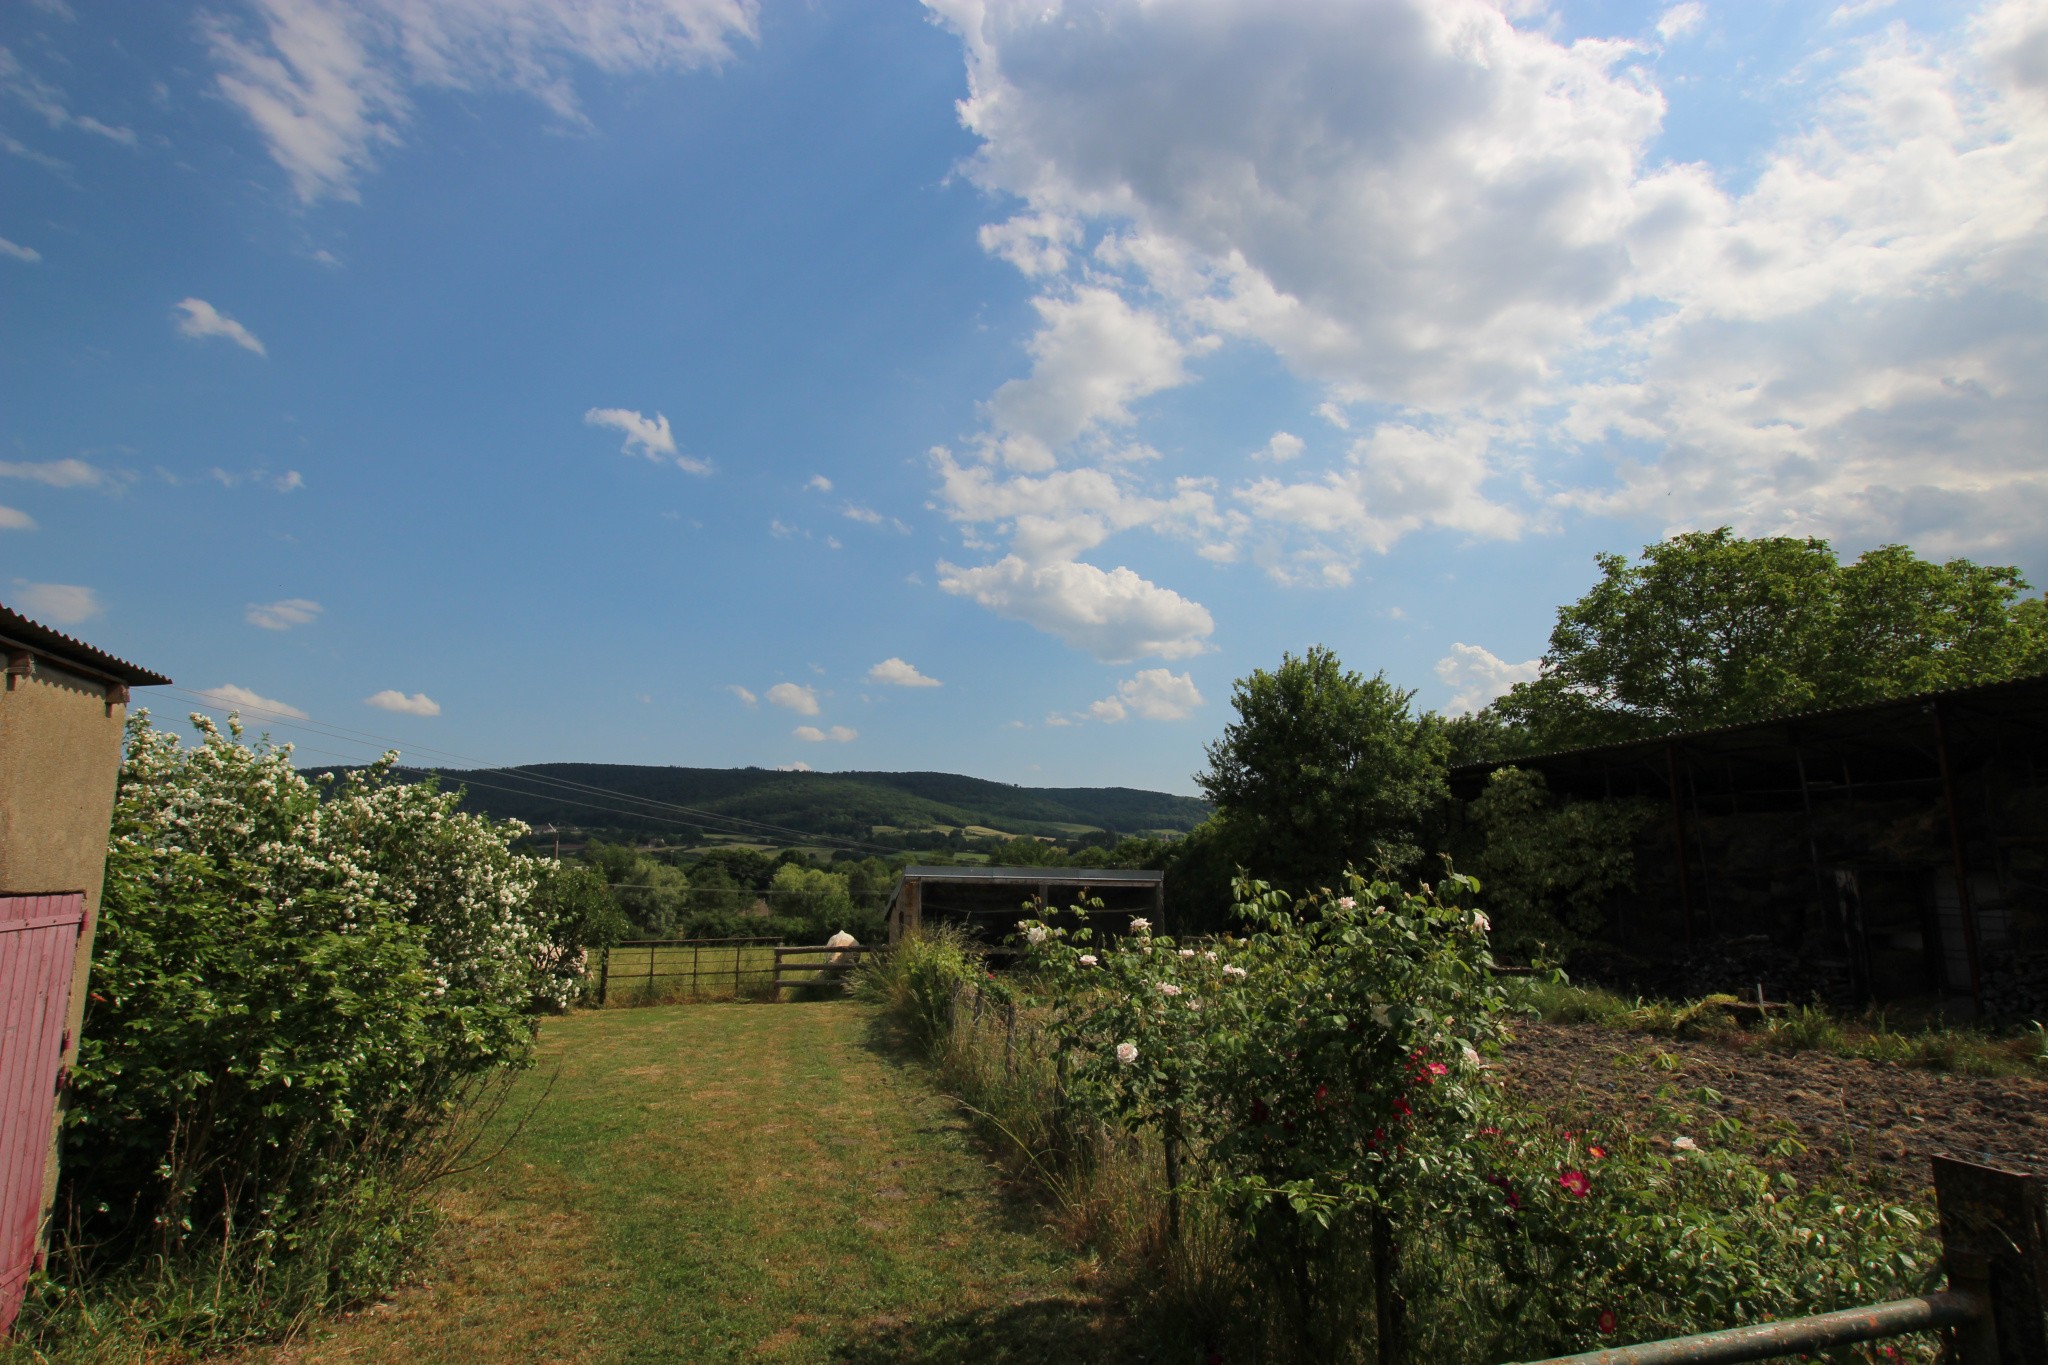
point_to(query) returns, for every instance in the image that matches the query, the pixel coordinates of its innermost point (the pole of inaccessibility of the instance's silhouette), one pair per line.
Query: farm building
(61, 722)
(1879, 853)
(988, 901)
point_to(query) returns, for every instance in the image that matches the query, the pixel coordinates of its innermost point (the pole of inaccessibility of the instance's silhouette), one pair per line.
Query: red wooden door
(38, 939)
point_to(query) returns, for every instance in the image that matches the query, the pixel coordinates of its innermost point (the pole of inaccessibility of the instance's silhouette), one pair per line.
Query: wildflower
(1187, 952)
(1608, 1323)
(1436, 1070)
(1126, 1053)
(1685, 1144)
(1348, 902)
(1087, 959)
(1402, 1109)
(1168, 988)
(1209, 956)
(1596, 1151)
(1141, 925)
(1576, 1183)
(1481, 922)
(1471, 1054)
(1233, 969)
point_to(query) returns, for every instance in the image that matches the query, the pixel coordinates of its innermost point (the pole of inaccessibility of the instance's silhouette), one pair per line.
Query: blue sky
(983, 385)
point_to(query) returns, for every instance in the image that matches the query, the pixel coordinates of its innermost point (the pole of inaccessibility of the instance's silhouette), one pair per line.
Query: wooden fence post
(1994, 1241)
(1171, 1141)
(604, 973)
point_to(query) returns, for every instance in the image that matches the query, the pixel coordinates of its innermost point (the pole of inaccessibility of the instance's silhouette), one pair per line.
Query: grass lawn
(733, 1182)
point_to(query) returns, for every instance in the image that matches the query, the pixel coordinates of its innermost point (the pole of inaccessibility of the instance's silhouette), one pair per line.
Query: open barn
(988, 901)
(1886, 852)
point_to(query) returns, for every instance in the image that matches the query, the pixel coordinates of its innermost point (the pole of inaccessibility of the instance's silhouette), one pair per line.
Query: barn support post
(1964, 909)
(1678, 837)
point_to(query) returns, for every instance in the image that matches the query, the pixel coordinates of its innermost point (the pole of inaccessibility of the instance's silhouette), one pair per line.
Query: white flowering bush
(295, 984)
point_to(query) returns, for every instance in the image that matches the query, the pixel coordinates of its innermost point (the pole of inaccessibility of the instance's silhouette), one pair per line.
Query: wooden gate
(38, 943)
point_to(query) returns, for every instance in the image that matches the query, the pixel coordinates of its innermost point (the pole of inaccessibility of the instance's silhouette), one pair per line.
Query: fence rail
(719, 968)
(1994, 1243)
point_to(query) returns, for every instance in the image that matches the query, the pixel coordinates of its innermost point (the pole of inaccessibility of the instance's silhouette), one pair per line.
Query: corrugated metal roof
(1063, 876)
(2033, 688)
(20, 631)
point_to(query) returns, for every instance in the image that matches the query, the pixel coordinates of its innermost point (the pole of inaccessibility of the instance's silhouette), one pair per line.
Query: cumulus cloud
(794, 697)
(57, 604)
(331, 84)
(898, 673)
(231, 697)
(1115, 615)
(282, 614)
(745, 696)
(1153, 693)
(1477, 676)
(797, 767)
(819, 483)
(14, 519)
(390, 699)
(55, 473)
(1283, 446)
(838, 734)
(649, 438)
(19, 252)
(1459, 226)
(201, 320)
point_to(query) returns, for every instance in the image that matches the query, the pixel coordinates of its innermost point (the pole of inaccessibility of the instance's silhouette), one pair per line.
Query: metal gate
(38, 942)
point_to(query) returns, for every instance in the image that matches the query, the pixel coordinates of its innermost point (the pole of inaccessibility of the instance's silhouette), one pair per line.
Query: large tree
(1323, 769)
(1711, 628)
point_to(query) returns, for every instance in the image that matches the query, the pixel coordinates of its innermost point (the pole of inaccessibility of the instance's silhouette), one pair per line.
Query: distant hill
(842, 804)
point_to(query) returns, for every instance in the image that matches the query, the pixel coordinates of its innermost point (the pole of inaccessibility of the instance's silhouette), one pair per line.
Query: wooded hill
(844, 804)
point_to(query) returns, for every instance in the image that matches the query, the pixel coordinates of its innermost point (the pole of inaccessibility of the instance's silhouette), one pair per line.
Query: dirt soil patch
(1873, 1123)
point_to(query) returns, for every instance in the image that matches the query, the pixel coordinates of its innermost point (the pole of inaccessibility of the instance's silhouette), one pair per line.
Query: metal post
(1955, 843)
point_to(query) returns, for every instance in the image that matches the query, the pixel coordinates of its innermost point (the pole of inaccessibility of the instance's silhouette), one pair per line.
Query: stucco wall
(60, 754)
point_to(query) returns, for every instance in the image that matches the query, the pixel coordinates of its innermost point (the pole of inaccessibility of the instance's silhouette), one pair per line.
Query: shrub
(296, 987)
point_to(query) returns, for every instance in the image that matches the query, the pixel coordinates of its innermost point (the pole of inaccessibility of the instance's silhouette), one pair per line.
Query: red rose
(1576, 1183)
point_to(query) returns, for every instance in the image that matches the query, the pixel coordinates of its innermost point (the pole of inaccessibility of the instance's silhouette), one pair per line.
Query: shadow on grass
(1035, 1333)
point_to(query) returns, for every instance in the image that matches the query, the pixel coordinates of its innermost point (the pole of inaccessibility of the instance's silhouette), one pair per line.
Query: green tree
(1711, 628)
(1325, 769)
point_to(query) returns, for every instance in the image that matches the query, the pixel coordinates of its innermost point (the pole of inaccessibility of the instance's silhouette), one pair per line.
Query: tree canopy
(1711, 628)
(1324, 769)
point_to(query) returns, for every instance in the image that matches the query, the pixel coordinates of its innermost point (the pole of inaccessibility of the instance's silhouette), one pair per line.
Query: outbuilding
(62, 716)
(988, 901)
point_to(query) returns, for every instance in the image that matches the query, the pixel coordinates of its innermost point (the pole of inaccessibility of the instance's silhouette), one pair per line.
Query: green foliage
(918, 979)
(1711, 628)
(294, 993)
(1324, 769)
(1549, 870)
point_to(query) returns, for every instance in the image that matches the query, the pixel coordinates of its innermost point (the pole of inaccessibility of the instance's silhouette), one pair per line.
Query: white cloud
(283, 614)
(838, 734)
(866, 515)
(291, 481)
(819, 483)
(1334, 415)
(649, 438)
(1153, 693)
(1092, 357)
(1681, 20)
(48, 103)
(57, 604)
(55, 473)
(1460, 222)
(797, 767)
(1116, 615)
(201, 320)
(230, 697)
(1476, 676)
(900, 674)
(19, 252)
(390, 699)
(330, 84)
(14, 519)
(794, 697)
(1283, 446)
(742, 693)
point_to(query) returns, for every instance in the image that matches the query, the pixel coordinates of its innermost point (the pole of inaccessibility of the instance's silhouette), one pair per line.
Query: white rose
(1126, 1053)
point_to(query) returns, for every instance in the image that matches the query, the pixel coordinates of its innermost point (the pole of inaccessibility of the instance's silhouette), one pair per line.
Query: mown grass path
(732, 1183)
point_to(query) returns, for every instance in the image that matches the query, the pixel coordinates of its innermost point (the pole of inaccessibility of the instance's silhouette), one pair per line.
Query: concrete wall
(60, 754)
